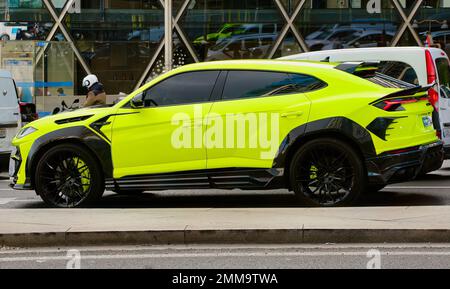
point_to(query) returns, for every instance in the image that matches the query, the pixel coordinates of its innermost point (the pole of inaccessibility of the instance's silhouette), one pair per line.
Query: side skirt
(231, 178)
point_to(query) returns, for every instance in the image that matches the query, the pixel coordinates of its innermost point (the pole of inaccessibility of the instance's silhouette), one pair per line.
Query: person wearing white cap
(96, 94)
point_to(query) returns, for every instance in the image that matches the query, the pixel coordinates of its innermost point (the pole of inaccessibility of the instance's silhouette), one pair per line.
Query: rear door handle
(292, 114)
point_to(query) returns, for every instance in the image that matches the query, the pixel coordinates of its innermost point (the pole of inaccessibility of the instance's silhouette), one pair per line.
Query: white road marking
(220, 254)
(175, 248)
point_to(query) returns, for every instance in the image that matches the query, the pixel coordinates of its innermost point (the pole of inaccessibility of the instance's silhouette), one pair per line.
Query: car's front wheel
(69, 176)
(327, 172)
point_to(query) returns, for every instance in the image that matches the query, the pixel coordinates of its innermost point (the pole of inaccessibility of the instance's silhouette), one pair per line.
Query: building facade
(128, 42)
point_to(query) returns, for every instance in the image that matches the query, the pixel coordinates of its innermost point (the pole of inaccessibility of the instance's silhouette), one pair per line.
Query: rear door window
(443, 68)
(253, 84)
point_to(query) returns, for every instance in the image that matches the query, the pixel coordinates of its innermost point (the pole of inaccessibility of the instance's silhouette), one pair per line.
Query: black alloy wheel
(68, 176)
(327, 172)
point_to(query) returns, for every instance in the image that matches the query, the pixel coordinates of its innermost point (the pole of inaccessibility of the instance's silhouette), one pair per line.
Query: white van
(10, 120)
(416, 65)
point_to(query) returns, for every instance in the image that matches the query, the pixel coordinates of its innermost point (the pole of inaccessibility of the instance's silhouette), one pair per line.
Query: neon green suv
(328, 132)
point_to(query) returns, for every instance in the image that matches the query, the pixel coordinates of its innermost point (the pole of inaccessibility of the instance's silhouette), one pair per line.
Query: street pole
(168, 42)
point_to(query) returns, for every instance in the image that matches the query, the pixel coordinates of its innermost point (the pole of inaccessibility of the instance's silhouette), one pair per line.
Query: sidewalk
(50, 227)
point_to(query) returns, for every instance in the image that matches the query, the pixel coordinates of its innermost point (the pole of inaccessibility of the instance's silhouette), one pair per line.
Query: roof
(353, 51)
(239, 64)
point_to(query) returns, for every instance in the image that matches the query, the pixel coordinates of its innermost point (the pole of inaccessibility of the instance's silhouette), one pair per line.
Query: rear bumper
(405, 166)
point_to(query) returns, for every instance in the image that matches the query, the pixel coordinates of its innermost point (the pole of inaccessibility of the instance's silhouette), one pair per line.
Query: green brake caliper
(84, 172)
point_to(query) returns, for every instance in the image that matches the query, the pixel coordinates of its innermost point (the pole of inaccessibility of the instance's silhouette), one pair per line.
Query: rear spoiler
(406, 92)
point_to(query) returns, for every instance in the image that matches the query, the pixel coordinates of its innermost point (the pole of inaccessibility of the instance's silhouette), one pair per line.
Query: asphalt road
(430, 190)
(372, 256)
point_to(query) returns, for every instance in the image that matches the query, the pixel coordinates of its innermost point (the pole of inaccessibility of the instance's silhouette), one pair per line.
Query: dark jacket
(96, 95)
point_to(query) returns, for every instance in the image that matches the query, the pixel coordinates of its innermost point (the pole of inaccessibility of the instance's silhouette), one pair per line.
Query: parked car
(417, 65)
(247, 47)
(364, 39)
(320, 39)
(10, 30)
(233, 29)
(9, 117)
(333, 131)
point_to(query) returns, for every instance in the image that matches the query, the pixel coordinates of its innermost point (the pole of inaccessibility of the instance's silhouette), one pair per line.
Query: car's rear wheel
(327, 172)
(69, 176)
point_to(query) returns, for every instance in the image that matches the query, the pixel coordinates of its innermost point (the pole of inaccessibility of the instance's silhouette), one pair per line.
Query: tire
(129, 193)
(4, 37)
(327, 173)
(69, 176)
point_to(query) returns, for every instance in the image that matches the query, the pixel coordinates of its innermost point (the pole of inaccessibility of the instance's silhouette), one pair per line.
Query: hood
(71, 116)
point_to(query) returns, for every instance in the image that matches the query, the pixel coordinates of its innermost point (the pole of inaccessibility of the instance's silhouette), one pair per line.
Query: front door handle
(292, 114)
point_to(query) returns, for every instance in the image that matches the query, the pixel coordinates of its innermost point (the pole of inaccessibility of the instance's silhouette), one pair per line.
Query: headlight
(25, 131)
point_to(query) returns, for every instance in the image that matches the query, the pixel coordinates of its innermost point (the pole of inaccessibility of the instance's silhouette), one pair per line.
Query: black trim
(73, 119)
(341, 125)
(9, 125)
(94, 142)
(410, 92)
(217, 92)
(380, 126)
(390, 168)
(229, 178)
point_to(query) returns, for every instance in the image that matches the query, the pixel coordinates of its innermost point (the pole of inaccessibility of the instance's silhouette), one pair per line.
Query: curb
(257, 236)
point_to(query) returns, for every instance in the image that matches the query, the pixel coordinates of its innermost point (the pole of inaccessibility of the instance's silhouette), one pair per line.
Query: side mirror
(137, 101)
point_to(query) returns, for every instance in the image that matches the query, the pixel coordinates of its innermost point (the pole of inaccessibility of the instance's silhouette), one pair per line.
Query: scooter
(75, 105)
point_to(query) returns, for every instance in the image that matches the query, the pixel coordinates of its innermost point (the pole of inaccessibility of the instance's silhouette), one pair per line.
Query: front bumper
(14, 167)
(404, 166)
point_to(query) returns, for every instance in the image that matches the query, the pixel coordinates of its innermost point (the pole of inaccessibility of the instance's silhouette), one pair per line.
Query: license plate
(2, 132)
(427, 121)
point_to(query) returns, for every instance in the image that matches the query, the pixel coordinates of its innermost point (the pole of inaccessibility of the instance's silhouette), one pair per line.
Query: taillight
(433, 95)
(396, 104)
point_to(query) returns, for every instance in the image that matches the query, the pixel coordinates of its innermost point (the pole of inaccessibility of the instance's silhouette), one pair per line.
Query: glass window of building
(329, 24)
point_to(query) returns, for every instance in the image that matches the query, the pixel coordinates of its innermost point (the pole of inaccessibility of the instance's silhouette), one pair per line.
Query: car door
(256, 112)
(443, 70)
(165, 135)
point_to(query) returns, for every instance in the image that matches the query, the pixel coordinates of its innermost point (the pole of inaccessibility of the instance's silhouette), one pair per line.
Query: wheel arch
(340, 128)
(81, 136)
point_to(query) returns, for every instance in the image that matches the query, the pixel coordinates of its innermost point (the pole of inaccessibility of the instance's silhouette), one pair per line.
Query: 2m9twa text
(226, 278)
